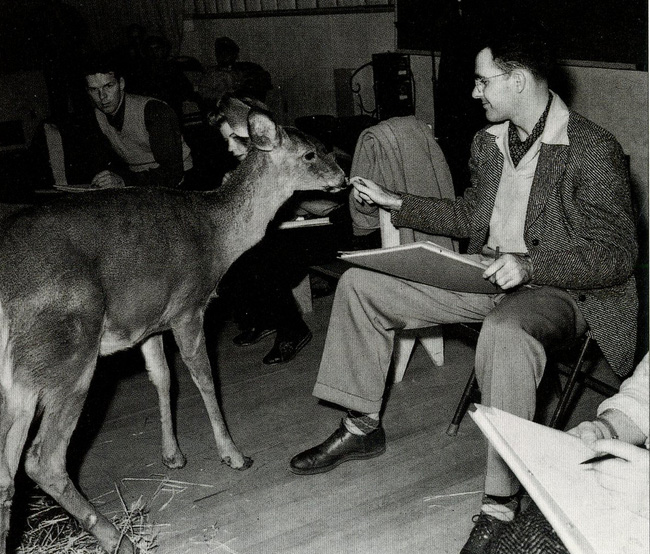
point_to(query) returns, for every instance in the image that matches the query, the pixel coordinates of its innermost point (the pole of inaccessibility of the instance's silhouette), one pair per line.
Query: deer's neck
(251, 198)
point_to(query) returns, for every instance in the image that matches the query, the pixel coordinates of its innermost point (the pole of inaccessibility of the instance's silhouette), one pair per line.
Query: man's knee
(507, 352)
(502, 322)
(353, 281)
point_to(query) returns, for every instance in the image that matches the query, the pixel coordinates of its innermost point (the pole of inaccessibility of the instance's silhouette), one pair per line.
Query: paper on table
(81, 187)
(588, 518)
(298, 223)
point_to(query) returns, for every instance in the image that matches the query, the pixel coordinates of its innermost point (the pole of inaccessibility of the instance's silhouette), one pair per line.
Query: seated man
(550, 190)
(259, 283)
(142, 131)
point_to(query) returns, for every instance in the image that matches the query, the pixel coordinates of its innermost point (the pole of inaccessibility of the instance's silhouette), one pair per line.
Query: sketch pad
(426, 262)
(588, 518)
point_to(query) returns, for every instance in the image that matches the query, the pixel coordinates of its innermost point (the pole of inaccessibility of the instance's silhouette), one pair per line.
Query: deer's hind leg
(188, 332)
(67, 335)
(154, 356)
(17, 408)
(45, 462)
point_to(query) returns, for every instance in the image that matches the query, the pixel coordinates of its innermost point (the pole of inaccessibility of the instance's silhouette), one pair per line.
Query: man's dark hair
(157, 40)
(226, 48)
(523, 46)
(103, 62)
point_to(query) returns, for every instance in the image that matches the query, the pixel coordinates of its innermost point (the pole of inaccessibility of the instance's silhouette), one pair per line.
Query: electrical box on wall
(393, 83)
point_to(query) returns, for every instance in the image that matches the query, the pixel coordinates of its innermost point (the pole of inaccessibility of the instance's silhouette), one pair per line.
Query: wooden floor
(418, 497)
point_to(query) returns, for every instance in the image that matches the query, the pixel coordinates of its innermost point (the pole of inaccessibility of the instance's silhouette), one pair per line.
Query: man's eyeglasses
(481, 82)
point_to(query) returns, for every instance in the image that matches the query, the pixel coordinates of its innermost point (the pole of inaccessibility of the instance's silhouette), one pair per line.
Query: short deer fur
(90, 274)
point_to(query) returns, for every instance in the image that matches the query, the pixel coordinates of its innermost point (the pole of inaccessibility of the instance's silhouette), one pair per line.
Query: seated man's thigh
(400, 304)
(548, 314)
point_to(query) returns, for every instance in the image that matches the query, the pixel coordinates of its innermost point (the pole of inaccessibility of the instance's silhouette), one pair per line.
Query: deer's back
(137, 256)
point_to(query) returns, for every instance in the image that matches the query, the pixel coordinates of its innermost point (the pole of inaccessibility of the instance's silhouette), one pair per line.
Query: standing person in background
(131, 55)
(143, 132)
(245, 79)
(162, 77)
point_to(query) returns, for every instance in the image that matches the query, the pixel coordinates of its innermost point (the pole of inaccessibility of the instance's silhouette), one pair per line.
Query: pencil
(597, 459)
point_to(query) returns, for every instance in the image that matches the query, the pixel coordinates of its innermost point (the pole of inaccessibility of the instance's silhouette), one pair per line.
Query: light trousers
(518, 328)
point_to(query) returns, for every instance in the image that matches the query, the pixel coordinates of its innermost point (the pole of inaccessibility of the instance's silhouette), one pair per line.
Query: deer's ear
(264, 133)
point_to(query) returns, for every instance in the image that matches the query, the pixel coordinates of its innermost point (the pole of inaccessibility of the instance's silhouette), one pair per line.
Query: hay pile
(50, 530)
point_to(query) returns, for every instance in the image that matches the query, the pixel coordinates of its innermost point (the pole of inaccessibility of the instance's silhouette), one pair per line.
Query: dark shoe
(320, 287)
(251, 336)
(486, 530)
(340, 447)
(285, 350)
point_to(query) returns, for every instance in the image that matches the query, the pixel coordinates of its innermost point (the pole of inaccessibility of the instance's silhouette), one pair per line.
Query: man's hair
(226, 47)
(157, 40)
(104, 63)
(523, 46)
(233, 109)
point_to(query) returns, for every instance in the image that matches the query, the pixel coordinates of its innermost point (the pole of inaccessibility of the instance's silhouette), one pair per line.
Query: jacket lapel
(491, 176)
(550, 169)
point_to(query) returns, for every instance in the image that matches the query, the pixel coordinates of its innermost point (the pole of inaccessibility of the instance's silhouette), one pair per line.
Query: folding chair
(567, 397)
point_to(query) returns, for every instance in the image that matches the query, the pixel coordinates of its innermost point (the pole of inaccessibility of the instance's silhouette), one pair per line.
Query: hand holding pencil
(368, 192)
(509, 269)
(626, 473)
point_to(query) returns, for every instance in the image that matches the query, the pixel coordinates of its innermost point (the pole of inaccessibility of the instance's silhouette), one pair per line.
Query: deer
(90, 274)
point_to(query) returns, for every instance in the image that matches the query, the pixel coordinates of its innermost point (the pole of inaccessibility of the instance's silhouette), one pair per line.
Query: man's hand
(107, 180)
(509, 271)
(587, 431)
(368, 192)
(626, 475)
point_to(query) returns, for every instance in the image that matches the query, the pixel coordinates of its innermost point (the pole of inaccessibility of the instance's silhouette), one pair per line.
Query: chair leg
(401, 355)
(565, 397)
(302, 294)
(463, 405)
(434, 345)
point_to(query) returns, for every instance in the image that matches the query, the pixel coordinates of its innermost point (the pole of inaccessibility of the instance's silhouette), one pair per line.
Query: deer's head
(299, 161)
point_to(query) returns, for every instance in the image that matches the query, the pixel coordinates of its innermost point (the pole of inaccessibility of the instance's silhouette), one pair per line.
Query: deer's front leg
(191, 343)
(156, 363)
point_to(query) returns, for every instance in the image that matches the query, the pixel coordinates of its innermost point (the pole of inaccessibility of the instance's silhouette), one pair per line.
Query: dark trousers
(258, 286)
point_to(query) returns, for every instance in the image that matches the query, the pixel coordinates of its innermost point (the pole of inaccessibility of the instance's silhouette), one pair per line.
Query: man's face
(105, 91)
(493, 88)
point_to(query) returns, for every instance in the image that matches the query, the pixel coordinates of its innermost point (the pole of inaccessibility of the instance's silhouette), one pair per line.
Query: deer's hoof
(248, 462)
(176, 461)
(126, 547)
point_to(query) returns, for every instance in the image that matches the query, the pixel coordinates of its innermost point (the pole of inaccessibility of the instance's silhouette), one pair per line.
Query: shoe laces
(484, 525)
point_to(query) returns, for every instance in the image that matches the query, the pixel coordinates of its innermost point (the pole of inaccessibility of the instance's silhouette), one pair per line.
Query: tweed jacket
(579, 228)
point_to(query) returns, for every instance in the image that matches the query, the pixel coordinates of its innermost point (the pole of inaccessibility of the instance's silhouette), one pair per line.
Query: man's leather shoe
(340, 447)
(251, 336)
(484, 533)
(285, 350)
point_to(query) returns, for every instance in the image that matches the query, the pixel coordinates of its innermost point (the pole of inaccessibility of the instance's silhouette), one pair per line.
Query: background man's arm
(166, 144)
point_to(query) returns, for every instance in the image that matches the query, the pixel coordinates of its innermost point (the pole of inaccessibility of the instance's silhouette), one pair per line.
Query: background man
(142, 131)
(550, 190)
(232, 76)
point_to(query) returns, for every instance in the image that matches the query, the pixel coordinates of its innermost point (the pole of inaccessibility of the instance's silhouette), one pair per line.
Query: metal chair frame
(574, 376)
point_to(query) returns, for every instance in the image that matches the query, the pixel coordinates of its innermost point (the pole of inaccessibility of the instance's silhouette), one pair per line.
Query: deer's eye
(310, 156)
